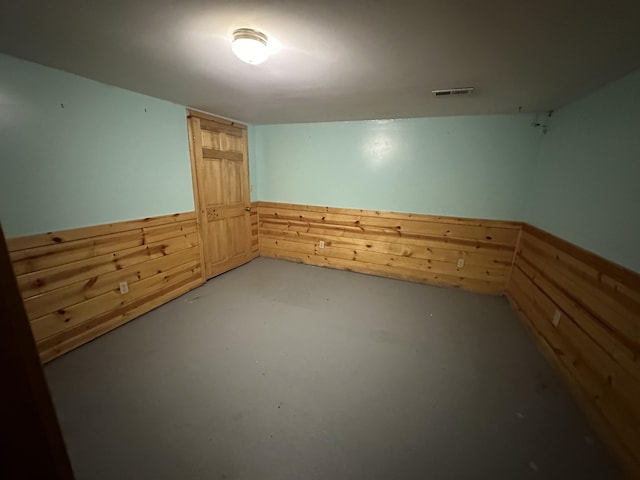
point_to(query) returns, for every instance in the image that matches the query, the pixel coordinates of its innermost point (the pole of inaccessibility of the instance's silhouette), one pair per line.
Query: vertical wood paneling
(70, 280)
(597, 341)
(413, 247)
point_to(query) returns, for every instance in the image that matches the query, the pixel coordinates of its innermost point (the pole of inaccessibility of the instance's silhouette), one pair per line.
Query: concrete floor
(282, 371)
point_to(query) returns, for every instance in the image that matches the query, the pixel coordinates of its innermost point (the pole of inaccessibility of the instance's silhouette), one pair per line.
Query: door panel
(237, 236)
(220, 169)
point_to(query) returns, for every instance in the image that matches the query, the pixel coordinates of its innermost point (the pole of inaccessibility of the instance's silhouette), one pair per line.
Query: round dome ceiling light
(250, 46)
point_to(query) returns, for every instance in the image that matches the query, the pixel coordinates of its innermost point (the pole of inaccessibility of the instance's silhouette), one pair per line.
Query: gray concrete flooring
(277, 370)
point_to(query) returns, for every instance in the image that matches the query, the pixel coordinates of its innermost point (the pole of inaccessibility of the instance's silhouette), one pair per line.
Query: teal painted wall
(473, 166)
(587, 184)
(253, 159)
(102, 158)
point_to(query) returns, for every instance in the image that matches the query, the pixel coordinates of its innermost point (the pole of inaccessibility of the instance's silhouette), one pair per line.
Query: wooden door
(220, 172)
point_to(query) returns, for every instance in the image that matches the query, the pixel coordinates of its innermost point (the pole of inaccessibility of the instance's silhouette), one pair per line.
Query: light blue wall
(474, 166)
(587, 185)
(102, 158)
(253, 156)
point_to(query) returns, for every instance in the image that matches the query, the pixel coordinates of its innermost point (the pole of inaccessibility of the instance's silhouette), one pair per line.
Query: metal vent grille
(452, 91)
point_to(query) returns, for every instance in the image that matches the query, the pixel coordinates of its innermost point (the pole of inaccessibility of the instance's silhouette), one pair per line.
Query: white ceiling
(336, 60)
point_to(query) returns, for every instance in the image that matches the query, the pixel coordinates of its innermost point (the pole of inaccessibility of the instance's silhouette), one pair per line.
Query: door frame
(198, 196)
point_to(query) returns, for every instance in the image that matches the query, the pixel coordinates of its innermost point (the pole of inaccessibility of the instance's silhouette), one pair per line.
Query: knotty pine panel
(70, 280)
(596, 343)
(255, 248)
(421, 248)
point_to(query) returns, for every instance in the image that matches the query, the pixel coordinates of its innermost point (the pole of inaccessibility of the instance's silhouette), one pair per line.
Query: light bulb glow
(250, 46)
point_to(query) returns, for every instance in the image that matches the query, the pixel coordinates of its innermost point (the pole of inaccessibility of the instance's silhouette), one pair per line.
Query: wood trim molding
(255, 243)
(198, 200)
(207, 116)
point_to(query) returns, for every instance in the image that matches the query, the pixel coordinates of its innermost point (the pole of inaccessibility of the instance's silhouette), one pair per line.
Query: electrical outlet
(124, 287)
(460, 262)
(556, 318)
(321, 244)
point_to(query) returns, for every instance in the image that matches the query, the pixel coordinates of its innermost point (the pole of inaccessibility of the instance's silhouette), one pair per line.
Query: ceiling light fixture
(250, 46)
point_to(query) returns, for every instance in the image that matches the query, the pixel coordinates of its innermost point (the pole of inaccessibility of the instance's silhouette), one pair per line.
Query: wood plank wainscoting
(420, 248)
(69, 280)
(70, 285)
(595, 342)
(253, 216)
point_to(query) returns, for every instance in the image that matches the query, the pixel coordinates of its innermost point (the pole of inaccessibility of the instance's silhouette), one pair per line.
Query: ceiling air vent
(452, 91)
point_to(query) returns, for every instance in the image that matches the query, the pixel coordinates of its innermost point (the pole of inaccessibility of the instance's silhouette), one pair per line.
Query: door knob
(247, 209)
